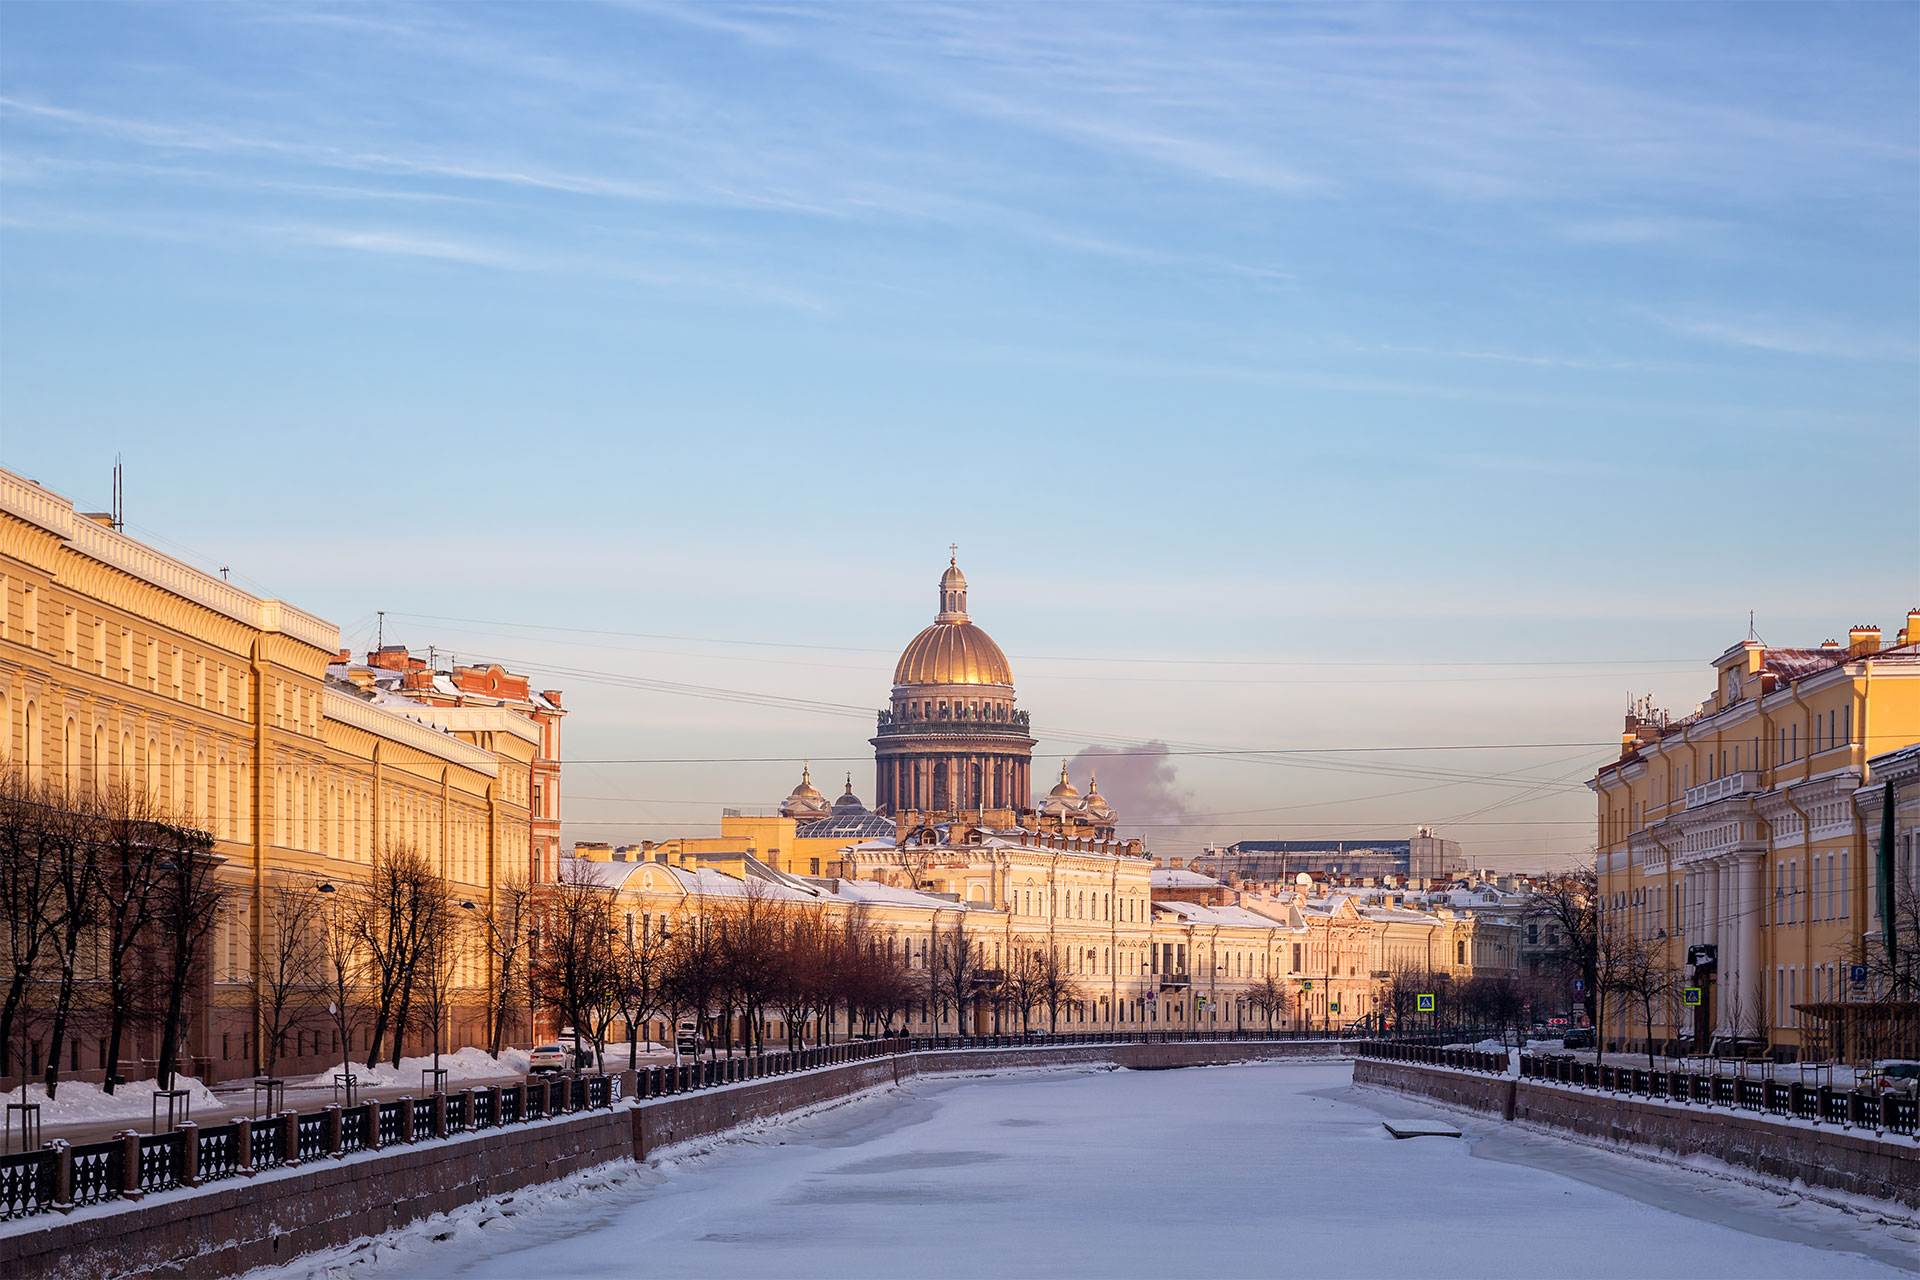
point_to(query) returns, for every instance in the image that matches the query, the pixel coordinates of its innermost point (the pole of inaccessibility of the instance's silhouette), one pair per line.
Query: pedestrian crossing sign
(1690, 997)
(1423, 1003)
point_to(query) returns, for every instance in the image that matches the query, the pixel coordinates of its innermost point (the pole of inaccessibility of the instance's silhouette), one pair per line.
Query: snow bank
(468, 1064)
(78, 1102)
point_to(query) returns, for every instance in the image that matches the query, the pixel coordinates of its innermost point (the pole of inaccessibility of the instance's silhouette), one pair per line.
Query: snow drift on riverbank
(78, 1102)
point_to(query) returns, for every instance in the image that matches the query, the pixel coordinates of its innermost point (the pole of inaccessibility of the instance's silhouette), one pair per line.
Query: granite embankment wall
(236, 1225)
(1885, 1168)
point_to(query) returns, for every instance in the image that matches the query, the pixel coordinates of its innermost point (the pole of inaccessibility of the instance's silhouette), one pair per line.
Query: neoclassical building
(122, 667)
(1740, 841)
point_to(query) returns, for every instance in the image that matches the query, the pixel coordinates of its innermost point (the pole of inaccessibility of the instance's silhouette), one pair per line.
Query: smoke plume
(1142, 784)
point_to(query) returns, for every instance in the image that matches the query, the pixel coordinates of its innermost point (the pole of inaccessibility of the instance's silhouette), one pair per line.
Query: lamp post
(533, 949)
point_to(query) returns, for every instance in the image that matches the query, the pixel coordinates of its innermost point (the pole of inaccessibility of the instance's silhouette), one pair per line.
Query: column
(1715, 908)
(1751, 900)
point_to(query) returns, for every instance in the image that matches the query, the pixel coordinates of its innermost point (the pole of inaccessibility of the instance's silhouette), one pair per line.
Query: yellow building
(123, 667)
(1730, 839)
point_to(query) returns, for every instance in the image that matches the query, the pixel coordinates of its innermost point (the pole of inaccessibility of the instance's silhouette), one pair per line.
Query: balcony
(1732, 784)
(1174, 981)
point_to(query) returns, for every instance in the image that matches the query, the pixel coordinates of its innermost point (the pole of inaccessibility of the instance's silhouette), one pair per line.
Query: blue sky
(1296, 350)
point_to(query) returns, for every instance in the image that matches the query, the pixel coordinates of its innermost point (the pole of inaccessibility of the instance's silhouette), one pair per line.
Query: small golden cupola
(804, 801)
(1064, 800)
(1097, 807)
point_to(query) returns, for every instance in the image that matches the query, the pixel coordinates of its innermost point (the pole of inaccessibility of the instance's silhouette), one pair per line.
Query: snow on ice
(1280, 1169)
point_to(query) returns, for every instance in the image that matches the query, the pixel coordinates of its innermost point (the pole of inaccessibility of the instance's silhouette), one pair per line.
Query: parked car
(1897, 1075)
(687, 1040)
(549, 1057)
(1577, 1038)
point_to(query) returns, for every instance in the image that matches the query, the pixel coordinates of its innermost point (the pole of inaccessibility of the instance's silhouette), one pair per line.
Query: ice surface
(1271, 1170)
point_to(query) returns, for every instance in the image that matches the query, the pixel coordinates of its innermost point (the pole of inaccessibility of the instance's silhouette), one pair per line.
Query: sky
(1291, 378)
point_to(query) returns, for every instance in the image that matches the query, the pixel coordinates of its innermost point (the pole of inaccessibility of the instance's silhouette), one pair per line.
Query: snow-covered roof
(1180, 878)
(1240, 917)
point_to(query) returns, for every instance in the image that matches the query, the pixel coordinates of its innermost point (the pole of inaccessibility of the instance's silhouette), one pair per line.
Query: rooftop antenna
(380, 634)
(119, 518)
(1751, 633)
(223, 572)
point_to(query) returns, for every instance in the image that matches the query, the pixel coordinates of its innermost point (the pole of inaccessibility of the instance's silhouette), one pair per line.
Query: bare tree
(443, 952)
(291, 975)
(575, 968)
(505, 920)
(797, 983)
(390, 910)
(959, 965)
(1055, 987)
(133, 844)
(1271, 999)
(189, 894)
(29, 899)
(1567, 905)
(346, 969)
(71, 832)
(640, 963)
(1639, 978)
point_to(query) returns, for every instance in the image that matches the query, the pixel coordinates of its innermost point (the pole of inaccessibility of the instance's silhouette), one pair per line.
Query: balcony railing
(1175, 980)
(1732, 784)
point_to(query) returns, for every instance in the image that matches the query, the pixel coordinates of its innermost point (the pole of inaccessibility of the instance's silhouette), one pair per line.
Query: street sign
(1579, 986)
(1306, 984)
(1703, 955)
(1857, 974)
(1423, 1003)
(1334, 1007)
(1690, 997)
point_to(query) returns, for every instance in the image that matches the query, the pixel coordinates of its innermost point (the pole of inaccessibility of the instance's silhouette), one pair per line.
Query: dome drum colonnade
(952, 741)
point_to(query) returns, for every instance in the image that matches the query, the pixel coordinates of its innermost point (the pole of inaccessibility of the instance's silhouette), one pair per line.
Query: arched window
(99, 760)
(31, 746)
(177, 784)
(153, 770)
(127, 777)
(70, 756)
(6, 726)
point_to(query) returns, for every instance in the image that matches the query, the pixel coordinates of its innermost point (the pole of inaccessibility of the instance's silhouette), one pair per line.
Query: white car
(549, 1057)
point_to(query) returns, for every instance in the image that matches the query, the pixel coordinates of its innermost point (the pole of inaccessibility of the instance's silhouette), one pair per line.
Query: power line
(1046, 657)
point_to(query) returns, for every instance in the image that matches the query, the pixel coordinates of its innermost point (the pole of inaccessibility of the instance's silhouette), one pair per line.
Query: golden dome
(805, 801)
(953, 650)
(953, 653)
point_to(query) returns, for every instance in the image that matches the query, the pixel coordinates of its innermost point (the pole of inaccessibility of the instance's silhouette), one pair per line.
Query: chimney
(1911, 634)
(1862, 639)
(1829, 646)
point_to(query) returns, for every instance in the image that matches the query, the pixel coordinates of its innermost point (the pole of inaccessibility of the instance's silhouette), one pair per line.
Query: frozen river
(1279, 1170)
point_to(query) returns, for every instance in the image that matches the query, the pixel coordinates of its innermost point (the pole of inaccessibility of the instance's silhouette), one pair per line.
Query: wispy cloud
(1795, 336)
(406, 245)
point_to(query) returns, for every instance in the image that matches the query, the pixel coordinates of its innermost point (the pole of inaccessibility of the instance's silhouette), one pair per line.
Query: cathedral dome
(953, 651)
(1064, 800)
(1097, 806)
(848, 803)
(804, 801)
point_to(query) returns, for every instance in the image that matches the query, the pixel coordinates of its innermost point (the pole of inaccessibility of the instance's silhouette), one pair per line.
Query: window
(71, 638)
(30, 614)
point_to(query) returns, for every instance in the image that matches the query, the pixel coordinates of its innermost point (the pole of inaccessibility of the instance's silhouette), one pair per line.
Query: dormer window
(1732, 687)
